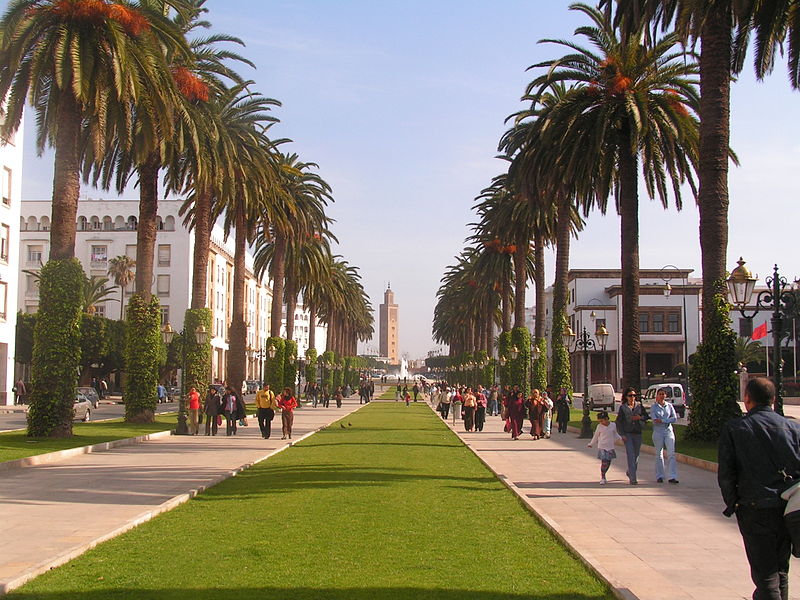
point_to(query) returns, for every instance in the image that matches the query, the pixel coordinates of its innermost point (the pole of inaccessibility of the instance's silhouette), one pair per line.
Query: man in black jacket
(759, 456)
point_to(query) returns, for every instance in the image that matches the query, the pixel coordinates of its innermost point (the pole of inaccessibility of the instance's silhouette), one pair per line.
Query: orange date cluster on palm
(499, 247)
(96, 11)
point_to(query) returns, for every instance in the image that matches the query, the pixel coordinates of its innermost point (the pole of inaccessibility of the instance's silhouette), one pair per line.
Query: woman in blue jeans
(630, 418)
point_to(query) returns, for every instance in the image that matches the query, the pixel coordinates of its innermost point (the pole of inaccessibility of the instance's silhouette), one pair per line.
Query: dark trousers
(633, 445)
(265, 416)
(445, 410)
(480, 417)
(230, 424)
(768, 546)
(211, 424)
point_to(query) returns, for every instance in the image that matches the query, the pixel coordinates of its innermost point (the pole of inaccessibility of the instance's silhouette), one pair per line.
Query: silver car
(91, 394)
(82, 409)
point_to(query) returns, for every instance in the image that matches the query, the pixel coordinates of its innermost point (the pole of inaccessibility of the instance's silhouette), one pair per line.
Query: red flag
(759, 332)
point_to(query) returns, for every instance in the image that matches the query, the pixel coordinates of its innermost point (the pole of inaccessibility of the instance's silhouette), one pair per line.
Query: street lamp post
(201, 337)
(741, 284)
(584, 343)
(666, 276)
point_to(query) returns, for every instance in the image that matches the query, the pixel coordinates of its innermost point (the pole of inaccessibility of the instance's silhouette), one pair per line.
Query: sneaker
(660, 480)
(674, 481)
(634, 482)
(603, 481)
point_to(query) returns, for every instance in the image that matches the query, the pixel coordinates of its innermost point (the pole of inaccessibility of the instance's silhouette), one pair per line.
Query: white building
(10, 200)
(107, 229)
(669, 326)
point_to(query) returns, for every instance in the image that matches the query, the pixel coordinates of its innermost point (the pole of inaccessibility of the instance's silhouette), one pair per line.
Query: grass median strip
(16, 444)
(386, 504)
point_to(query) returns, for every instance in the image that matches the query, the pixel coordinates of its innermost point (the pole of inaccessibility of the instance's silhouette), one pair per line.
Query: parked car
(173, 393)
(82, 409)
(601, 396)
(675, 395)
(252, 386)
(91, 395)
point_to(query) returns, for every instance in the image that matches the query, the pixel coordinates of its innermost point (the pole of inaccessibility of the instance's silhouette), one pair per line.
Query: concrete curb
(44, 566)
(681, 458)
(51, 457)
(620, 592)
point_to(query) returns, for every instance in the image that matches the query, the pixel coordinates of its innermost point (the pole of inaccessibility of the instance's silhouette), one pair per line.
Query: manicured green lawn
(15, 444)
(703, 450)
(390, 507)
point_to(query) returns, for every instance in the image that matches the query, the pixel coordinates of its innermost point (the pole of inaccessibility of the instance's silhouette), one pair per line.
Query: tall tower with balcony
(389, 328)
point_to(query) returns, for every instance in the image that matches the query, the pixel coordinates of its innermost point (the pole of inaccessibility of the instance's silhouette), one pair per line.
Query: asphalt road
(17, 420)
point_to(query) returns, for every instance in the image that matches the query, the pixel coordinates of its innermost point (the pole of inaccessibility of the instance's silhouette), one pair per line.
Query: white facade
(10, 201)
(107, 228)
(669, 326)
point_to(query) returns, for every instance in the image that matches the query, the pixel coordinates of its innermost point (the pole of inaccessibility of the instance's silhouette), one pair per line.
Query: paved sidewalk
(52, 513)
(651, 541)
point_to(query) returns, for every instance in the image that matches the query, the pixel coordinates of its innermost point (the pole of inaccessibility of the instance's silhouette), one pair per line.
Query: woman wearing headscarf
(515, 409)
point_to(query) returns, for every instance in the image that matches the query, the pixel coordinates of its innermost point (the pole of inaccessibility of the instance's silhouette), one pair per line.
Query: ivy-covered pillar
(275, 364)
(562, 370)
(198, 356)
(145, 352)
(56, 349)
(539, 371)
(521, 338)
(290, 364)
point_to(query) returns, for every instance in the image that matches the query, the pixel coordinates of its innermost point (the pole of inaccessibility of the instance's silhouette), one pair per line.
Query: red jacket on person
(287, 404)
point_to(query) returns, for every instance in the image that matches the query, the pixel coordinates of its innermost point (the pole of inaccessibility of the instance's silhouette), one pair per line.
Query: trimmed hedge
(715, 386)
(274, 366)
(562, 370)
(56, 349)
(145, 352)
(311, 364)
(290, 364)
(539, 372)
(521, 338)
(198, 357)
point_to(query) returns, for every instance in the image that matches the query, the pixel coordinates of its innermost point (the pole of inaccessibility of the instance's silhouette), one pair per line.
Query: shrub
(503, 346)
(290, 364)
(539, 372)
(56, 349)
(562, 371)
(198, 357)
(144, 356)
(311, 364)
(274, 367)
(715, 387)
(521, 338)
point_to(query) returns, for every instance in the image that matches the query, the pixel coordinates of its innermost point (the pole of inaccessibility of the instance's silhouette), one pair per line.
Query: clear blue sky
(402, 105)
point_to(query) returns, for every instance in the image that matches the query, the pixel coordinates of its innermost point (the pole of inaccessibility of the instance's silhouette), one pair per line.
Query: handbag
(219, 420)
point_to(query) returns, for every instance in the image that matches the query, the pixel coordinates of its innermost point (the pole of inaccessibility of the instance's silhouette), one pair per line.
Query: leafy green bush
(274, 366)
(23, 350)
(338, 374)
(715, 387)
(198, 357)
(562, 370)
(539, 372)
(290, 364)
(521, 338)
(311, 364)
(56, 349)
(145, 354)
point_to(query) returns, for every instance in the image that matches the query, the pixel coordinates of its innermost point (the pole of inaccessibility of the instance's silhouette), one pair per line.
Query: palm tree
(628, 104)
(121, 270)
(95, 290)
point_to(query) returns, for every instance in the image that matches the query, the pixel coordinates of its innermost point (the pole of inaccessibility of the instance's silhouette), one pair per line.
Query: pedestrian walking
(446, 399)
(535, 410)
(663, 415)
(547, 414)
(415, 391)
(287, 404)
(265, 410)
(407, 397)
(399, 394)
(20, 392)
(161, 392)
(480, 410)
(470, 404)
(458, 402)
(103, 388)
(515, 410)
(562, 405)
(605, 437)
(194, 411)
(213, 410)
(230, 407)
(493, 406)
(630, 418)
(759, 457)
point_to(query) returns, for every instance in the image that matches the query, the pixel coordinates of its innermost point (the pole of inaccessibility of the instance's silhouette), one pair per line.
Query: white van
(601, 396)
(675, 395)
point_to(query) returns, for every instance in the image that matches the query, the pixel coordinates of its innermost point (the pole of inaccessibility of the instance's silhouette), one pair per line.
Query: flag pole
(766, 357)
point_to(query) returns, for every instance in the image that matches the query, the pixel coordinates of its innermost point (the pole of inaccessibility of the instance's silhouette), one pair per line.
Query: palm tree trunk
(202, 241)
(278, 282)
(629, 226)
(506, 303)
(520, 282)
(312, 326)
(237, 333)
(712, 199)
(146, 230)
(291, 304)
(66, 180)
(541, 308)
(489, 330)
(563, 239)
